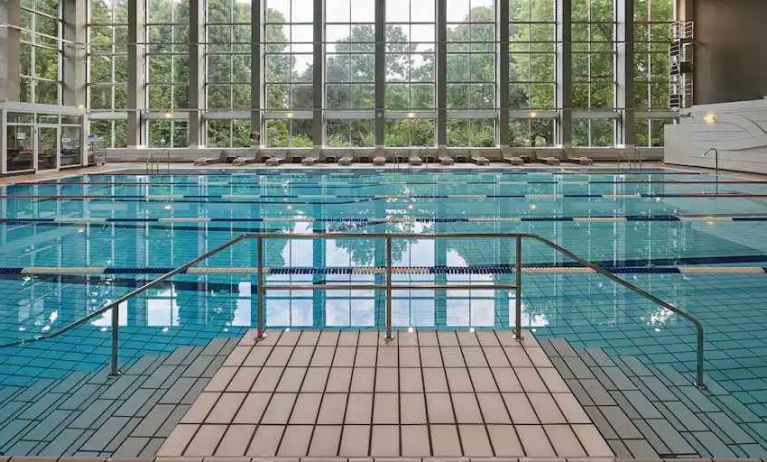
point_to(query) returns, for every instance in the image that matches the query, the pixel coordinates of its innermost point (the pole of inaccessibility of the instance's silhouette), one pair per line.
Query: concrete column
(442, 74)
(624, 71)
(9, 51)
(503, 73)
(136, 72)
(74, 14)
(196, 72)
(380, 65)
(256, 73)
(565, 71)
(318, 92)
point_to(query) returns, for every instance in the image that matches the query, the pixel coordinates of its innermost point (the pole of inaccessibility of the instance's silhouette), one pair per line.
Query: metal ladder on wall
(152, 165)
(632, 157)
(388, 286)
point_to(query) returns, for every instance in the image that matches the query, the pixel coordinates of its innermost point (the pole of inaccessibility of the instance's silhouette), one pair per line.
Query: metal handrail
(388, 285)
(716, 159)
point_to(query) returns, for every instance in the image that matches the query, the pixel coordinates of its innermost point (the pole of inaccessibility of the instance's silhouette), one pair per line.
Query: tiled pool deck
(353, 394)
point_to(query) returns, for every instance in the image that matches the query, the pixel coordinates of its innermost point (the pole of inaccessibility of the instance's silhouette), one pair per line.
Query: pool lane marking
(390, 219)
(475, 269)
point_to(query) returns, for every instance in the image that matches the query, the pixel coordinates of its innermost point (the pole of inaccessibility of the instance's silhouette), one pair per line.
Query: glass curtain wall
(228, 72)
(471, 73)
(347, 82)
(108, 70)
(167, 62)
(411, 88)
(653, 22)
(532, 72)
(288, 72)
(350, 72)
(40, 53)
(593, 72)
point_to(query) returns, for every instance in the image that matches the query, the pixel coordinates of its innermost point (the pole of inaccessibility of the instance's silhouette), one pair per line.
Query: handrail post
(699, 380)
(518, 298)
(114, 370)
(389, 335)
(260, 332)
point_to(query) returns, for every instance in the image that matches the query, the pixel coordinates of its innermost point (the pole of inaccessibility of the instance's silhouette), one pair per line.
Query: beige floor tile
(506, 338)
(289, 337)
(257, 356)
(332, 409)
(595, 445)
(235, 441)
(363, 379)
(410, 380)
(359, 408)
(493, 408)
(496, 357)
(348, 337)
(466, 408)
(530, 380)
(323, 356)
(571, 408)
(339, 380)
(279, 356)
(243, 380)
(366, 356)
(487, 338)
(385, 408)
(415, 441)
(519, 408)
(387, 356)
(309, 337)
(434, 379)
(279, 409)
(452, 356)
(237, 356)
(409, 357)
(534, 441)
(447, 338)
(474, 356)
(295, 441)
(326, 441)
(427, 338)
(518, 357)
(306, 409)
(355, 440)
(302, 356)
(506, 379)
(466, 338)
(458, 380)
(316, 379)
(405, 338)
(546, 408)
(329, 337)
(538, 357)
(178, 440)
(265, 441)
(221, 379)
(505, 441)
(439, 408)
(475, 441)
(205, 440)
(444, 441)
(291, 379)
(369, 338)
(413, 408)
(385, 441)
(430, 356)
(267, 379)
(387, 379)
(565, 442)
(252, 408)
(483, 380)
(226, 408)
(553, 380)
(201, 407)
(344, 356)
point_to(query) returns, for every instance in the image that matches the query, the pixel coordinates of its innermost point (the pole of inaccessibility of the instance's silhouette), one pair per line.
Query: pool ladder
(152, 165)
(632, 157)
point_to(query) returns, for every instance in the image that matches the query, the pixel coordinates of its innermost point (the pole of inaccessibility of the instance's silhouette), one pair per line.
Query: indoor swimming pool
(696, 240)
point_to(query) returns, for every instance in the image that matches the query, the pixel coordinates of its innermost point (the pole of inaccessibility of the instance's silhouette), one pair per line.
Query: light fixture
(710, 118)
(411, 115)
(289, 115)
(533, 115)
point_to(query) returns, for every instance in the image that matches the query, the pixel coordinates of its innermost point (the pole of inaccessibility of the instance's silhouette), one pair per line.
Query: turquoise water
(128, 228)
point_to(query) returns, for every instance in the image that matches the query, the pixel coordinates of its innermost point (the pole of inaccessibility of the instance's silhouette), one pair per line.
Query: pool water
(127, 228)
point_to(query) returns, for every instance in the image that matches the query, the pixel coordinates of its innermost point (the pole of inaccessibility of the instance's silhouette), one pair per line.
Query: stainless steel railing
(388, 285)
